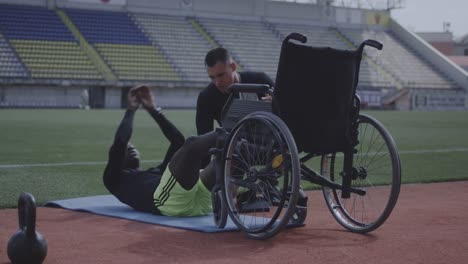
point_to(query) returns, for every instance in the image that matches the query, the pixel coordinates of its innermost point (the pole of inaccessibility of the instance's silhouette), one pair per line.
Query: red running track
(428, 225)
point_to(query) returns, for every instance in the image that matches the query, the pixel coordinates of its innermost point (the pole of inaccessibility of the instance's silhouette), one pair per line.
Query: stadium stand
(44, 44)
(318, 36)
(400, 60)
(371, 76)
(123, 46)
(253, 44)
(10, 65)
(180, 42)
(48, 47)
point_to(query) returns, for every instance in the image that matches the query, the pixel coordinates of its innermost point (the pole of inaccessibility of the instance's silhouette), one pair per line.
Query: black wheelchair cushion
(313, 95)
(238, 109)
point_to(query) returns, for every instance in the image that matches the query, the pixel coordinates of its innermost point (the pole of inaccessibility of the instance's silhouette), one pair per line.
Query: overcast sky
(419, 15)
(429, 15)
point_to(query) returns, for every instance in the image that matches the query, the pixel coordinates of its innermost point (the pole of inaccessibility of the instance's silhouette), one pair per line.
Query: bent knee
(190, 143)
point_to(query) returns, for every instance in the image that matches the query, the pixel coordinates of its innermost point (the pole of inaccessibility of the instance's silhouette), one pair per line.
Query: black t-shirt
(211, 101)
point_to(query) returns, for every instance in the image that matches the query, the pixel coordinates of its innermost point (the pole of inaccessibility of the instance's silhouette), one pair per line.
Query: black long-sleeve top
(175, 137)
(211, 101)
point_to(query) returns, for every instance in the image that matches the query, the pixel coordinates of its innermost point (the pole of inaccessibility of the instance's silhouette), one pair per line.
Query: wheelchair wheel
(300, 214)
(261, 175)
(219, 207)
(376, 169)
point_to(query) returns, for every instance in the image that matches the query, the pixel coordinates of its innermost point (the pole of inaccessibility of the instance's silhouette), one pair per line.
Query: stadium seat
(181, 42)
(123, 46)
(10, 65)
(405, 64)
(44, 44)
(253, 45)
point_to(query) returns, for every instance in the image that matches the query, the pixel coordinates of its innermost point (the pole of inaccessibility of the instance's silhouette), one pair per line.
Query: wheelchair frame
(258, 168)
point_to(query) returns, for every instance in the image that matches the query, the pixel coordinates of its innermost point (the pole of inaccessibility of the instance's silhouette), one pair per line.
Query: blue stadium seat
(107, 27)
(35, 23)
(44, 45)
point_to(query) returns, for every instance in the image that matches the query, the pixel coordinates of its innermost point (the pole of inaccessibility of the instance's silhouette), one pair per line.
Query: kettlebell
(27, 245)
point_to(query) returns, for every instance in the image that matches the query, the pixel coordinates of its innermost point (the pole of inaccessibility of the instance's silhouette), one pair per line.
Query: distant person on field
(180, 190)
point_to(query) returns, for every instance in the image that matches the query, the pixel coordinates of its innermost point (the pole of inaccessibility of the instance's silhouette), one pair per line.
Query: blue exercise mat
(108, 205)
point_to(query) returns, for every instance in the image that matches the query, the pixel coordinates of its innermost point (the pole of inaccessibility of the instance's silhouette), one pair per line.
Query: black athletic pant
(185, 165)
(135, 187)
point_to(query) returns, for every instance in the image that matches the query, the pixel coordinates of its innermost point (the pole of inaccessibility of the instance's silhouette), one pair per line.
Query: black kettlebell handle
(27, 214)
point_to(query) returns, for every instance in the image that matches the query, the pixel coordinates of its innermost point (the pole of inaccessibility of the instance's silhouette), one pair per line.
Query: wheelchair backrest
(314, 94)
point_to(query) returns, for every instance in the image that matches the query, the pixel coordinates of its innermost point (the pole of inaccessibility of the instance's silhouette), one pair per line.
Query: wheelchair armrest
(249, 88)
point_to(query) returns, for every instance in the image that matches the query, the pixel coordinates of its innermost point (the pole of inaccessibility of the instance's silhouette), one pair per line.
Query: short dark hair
(217, 55)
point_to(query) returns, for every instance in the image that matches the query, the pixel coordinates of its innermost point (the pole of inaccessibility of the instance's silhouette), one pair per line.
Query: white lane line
(433, 151)
(85, 163)
(90, 163)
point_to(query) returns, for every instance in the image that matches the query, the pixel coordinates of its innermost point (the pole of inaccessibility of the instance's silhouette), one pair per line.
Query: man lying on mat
(182, 189)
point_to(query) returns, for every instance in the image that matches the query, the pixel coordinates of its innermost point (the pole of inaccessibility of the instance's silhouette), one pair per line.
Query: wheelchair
(264, 149)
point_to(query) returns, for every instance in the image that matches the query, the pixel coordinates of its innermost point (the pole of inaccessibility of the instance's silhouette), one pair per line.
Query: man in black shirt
(222, 72)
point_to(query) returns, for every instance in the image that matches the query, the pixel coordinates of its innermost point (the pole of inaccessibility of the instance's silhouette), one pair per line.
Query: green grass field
(57, 154)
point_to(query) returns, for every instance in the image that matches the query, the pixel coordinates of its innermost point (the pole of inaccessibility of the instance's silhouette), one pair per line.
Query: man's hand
(133, 100)
(146, 97)
(267, 98)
